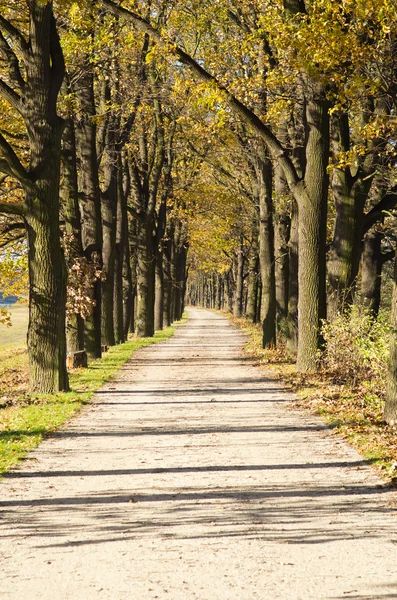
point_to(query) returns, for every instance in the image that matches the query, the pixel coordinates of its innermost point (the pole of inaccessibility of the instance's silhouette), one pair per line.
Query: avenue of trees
(240, 153)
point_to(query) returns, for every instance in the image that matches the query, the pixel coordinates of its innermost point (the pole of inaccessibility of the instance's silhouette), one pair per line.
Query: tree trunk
(253, 267)
(371, 271)
(312, 200)
(266, 254)
(159, 293)
(120, 245)
(108, 264)
(144, 326)
(47, 298)
(90, 204)
(281, 256)
(293, 288)
(70, 201)
(167, 285)
(47, 271)
(390, 410)
(238, 298)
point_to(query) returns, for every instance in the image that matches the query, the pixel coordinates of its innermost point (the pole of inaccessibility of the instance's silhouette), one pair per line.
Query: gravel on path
(190, 477)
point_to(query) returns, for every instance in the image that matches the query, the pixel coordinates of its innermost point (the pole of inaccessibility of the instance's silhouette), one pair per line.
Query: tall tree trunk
(293, 288)
(345, 249)
(390, 410)
(90, 203)
(167, 285)
(266, 254)
(312, 200)
(159, 293)
(120, 246)
(238, 298)
(108, 264)
(47, 272)
(351, 187)
(144, 326)
(70, 201)
(253, 267)
(371, 270)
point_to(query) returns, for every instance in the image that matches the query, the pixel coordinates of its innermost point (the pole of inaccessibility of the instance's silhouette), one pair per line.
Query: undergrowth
(25, 419)
(348, 390)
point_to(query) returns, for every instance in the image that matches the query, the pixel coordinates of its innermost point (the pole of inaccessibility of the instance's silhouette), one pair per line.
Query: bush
(357, 346)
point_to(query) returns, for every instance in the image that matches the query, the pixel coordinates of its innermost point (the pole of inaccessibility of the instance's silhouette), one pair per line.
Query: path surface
(190, 478)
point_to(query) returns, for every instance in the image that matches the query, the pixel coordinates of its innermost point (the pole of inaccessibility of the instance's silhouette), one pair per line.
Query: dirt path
(190, 479)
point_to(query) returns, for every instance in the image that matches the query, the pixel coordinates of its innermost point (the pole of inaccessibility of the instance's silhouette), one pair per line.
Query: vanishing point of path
(191, 478)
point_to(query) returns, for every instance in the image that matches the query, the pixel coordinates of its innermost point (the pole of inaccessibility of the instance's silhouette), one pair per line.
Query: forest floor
(192, 476)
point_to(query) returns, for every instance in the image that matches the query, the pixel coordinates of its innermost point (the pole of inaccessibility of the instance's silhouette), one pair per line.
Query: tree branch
(388, 256)
(13, 209)
(14, 34)
(11, 165)
(275, 148)
(388, 202)
(10, 95)
(238, 21)
(57, 63)
(13, 63)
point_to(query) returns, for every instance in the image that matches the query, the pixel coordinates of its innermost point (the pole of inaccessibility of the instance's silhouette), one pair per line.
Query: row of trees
(90, 155)
(278, 156)
(308, 90)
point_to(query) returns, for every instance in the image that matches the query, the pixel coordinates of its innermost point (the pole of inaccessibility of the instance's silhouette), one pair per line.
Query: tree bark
(90, 203)
(253, 267)
(44, 71)
(144, 326)
(266, 254)
(282, 228)
(371, 271)
(390, 410)
(238, 297)
(312, 200)
(293, 287)
(70, 201)
(167, 285)
(159, 292)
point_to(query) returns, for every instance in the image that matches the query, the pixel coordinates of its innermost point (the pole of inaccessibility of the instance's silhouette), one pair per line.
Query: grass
(26, 419)
(355, 413)
(14, 336)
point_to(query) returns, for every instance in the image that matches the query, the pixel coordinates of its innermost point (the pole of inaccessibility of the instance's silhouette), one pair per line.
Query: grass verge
(353, 412)
(26, 419)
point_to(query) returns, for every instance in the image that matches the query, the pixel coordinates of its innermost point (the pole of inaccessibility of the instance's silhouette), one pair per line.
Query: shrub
(357, 345)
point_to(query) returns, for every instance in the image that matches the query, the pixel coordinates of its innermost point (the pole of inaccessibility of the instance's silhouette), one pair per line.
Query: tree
(33, 70)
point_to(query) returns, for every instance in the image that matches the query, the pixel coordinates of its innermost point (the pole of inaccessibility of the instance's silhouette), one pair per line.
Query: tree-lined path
(191, 477)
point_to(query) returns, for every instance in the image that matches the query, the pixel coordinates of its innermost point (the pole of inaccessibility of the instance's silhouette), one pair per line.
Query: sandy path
(190, 479)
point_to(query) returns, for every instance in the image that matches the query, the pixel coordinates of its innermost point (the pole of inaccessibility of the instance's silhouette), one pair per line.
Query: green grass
(24, 425)
(15, 336)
